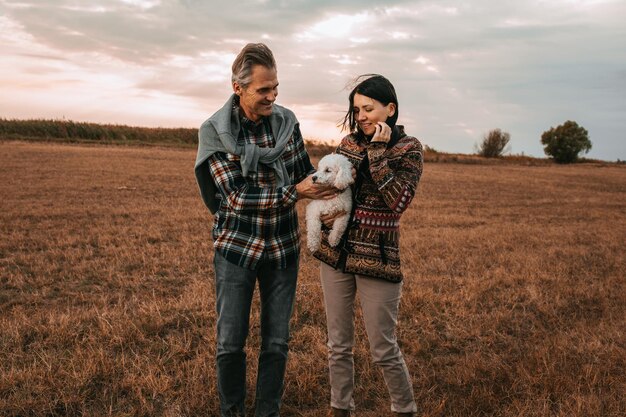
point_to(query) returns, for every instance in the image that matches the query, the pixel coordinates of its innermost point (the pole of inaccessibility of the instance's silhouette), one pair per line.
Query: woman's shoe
(337, 412)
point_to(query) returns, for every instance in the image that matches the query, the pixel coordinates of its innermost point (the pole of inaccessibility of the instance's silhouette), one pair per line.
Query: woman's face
(368, 112)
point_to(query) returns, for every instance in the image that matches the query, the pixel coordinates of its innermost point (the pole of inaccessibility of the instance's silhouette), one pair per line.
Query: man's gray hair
(252, 54)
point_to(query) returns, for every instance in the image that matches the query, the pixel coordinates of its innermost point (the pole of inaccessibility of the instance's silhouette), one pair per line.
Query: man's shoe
(336, 412)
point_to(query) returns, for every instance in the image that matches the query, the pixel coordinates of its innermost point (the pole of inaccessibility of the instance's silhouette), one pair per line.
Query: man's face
(257, 98)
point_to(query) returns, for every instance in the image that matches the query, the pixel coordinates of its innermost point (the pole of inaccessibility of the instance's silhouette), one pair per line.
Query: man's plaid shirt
(258, 220)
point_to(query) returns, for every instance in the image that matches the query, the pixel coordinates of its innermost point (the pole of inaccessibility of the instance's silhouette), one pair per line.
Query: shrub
(494, 144)
(565, 142)
(430, 149)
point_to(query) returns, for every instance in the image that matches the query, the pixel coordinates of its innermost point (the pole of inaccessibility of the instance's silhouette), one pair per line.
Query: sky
(460, 68)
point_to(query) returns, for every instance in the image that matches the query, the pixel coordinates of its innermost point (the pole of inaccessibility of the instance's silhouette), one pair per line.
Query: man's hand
(308, 189)
(329, 219)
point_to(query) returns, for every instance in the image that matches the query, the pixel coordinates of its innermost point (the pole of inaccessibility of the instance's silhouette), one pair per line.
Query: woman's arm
(396, 173)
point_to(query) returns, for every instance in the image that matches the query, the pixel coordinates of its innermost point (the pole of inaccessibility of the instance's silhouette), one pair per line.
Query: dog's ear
(344, 177)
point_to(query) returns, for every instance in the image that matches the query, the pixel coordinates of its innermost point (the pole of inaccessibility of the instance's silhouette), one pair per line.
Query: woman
(367, 261)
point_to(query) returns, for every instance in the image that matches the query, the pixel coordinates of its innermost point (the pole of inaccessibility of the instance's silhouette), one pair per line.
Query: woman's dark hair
(374, 86)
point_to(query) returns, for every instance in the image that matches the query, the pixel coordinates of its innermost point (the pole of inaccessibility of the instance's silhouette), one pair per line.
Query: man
(251, 168)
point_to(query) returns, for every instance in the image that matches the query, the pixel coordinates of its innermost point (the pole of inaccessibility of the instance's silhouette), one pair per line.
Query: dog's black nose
(314, 178)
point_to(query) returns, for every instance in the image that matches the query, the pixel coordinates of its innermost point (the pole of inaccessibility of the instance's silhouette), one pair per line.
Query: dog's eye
(327, 170)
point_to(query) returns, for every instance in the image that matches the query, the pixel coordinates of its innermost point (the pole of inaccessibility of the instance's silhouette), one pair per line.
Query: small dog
(335, 170)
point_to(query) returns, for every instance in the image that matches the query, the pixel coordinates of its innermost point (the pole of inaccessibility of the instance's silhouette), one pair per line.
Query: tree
(565, 142)
(494, 144)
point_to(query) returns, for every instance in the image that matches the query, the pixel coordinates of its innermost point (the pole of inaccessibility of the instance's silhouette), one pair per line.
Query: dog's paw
(313, 247)
(334, 239)
(313, 242)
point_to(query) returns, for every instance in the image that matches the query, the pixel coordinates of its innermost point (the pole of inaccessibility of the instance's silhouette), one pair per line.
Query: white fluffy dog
(335, 170)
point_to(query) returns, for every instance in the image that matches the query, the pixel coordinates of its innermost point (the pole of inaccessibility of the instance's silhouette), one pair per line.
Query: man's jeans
(234, 288)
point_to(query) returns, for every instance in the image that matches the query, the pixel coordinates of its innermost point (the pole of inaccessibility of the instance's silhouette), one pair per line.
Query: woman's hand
(382, 134)
(328, 219)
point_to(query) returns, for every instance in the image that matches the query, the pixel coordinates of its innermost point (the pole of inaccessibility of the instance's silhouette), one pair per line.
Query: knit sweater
(370, 245)
(220, 132)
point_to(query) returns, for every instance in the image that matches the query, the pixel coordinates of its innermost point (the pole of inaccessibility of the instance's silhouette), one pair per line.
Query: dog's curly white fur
(336, 170)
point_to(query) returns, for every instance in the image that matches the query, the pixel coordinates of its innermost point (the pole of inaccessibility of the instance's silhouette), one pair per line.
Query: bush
(565, 142)
(430, 149)
(494, 144)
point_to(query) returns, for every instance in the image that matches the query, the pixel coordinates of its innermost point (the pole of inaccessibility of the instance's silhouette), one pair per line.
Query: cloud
(337, 26)
(460, 68)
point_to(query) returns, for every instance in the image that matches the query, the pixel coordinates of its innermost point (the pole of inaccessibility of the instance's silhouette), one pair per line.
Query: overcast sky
(460, 68)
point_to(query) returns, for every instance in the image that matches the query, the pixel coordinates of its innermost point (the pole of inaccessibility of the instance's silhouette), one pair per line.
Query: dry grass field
(514, 302)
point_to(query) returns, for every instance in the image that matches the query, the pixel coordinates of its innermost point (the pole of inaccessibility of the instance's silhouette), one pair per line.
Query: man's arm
(303, 171)
(308, 189)
(242, 197)
(302, 166)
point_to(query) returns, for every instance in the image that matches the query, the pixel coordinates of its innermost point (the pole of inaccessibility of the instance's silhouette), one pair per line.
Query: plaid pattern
(257, 220)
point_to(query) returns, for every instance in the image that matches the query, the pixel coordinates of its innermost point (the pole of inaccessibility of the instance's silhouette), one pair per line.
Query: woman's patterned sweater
(370, 246)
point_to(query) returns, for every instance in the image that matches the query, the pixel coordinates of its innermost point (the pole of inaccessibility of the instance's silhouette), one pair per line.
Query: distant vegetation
(565, 142)
(494, 144)
(70, 131)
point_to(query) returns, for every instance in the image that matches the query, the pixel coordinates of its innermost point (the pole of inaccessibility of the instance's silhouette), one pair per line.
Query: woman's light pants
(379, 303)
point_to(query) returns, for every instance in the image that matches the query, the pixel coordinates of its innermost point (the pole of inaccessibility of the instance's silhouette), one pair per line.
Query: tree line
(68, 130)
(563, 143)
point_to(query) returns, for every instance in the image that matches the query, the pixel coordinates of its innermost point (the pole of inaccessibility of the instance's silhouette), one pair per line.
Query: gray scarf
(219, 133)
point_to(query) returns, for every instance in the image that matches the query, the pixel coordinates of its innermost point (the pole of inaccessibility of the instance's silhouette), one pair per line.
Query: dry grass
(514, 302)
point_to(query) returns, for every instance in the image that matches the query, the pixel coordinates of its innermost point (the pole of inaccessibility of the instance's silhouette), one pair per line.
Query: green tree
(494, 143)
(565, 142)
